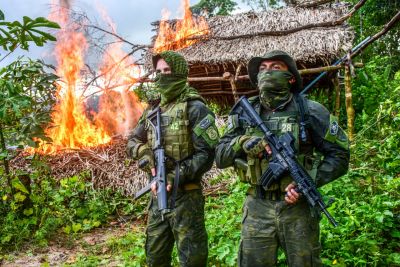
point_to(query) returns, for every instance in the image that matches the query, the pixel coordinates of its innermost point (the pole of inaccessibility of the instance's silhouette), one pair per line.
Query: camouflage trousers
(183, 226)
(268, 224)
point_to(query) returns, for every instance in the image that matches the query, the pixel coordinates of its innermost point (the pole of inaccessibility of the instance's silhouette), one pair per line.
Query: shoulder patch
(335, 134)
(207, 130)
(205, 123)
(334, 128)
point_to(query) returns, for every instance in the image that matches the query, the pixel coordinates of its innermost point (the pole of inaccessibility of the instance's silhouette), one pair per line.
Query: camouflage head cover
(176, 61)
(255, 62)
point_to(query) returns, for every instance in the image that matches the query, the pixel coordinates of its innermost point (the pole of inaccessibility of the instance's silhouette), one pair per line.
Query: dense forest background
(104, 227)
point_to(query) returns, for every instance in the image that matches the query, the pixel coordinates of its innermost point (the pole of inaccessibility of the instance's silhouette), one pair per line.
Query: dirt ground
(64, 249)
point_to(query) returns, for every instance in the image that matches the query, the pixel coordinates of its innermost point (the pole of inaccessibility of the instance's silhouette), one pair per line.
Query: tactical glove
(146, 158)
(254, 145)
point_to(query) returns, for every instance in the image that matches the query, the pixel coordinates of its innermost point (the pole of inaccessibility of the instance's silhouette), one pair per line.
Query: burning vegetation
(118, 109)
(181, 33)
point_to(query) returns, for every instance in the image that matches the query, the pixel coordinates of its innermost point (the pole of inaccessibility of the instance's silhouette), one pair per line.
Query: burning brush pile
(88, 133)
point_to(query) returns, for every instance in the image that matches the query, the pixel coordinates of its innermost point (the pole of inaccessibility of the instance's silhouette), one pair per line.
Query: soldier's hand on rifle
(292, 196)
(254, 145)
(146, 158)
(169, 185)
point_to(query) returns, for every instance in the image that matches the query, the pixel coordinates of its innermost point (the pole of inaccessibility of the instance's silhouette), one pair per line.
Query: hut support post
(234, 91)
(228, 75)
(336, 85)
(349, 102)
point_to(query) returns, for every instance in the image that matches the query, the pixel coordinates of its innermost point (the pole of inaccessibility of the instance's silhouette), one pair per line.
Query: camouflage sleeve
(137, 137)
(329, 139)
(227, 149)
(205, 137)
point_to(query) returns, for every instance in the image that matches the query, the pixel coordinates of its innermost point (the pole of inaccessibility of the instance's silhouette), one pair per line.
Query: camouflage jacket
(203, 144)
(324, 136)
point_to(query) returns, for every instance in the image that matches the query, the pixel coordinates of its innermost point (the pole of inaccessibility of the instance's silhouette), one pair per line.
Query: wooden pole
(336, 86)
(246, 77)
(311, 71)
(231, 78)
(349, 102)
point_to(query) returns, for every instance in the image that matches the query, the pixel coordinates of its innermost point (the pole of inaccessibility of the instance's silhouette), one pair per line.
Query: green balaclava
(173, 85)
(274, 87)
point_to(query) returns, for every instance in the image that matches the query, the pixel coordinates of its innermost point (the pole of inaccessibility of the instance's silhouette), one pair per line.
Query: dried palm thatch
(313, 36)
(108, 167)
(236, 38)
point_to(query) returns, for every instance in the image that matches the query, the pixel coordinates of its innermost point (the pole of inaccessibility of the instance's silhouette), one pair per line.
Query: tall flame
(173, 37)
(118, 111)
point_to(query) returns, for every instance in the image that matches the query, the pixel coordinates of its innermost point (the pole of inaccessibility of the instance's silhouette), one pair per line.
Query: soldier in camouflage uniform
(280, 217)
(189, 139)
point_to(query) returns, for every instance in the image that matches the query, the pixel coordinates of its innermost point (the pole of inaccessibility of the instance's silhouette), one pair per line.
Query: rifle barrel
(354, 49)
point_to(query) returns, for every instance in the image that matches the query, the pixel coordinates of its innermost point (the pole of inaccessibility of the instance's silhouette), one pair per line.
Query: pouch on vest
(177, 140)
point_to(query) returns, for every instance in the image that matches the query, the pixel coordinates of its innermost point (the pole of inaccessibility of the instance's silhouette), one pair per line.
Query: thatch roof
(225, 45)
(313, 36)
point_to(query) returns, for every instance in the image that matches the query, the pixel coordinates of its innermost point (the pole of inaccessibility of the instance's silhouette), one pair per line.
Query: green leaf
(388, 213)
(67, 229)
(19, 197)
(26, 20)
(6, 238)
(28, 212)
(76, 227)
(43, 22)
(45, 34)
(16, 183)
(395, 233)
(2, 15)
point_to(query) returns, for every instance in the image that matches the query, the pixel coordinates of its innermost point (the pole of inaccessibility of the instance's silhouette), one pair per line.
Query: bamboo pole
(336, 85)
(312, 70)
(349, 103)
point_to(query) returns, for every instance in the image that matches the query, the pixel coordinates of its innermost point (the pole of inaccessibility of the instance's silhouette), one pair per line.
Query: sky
(132, 18)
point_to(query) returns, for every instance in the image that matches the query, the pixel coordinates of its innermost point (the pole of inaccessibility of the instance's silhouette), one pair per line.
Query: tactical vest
(175, 131)
(280, 123)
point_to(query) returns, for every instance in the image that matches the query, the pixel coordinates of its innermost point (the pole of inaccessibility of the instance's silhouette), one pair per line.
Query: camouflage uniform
(268, 222)
(189, 136)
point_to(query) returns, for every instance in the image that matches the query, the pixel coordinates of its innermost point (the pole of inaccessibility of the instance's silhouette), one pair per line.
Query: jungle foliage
(367, 199)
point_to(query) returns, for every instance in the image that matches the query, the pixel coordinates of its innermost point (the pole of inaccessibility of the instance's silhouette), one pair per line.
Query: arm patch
(233, 123)
(207, 130)
(335, 133)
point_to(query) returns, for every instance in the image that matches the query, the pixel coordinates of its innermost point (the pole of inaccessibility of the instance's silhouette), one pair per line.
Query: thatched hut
(314, 36)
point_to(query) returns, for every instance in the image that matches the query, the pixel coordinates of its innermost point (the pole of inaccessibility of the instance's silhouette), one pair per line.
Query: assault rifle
(160, 178)
(283, 159)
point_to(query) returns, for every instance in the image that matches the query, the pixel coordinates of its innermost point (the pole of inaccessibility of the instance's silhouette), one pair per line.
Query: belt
(258, 192)
(190, 186)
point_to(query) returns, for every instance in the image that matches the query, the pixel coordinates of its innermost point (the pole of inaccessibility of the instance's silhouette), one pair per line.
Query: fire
(119, 72)
(118, 109)
(173, 37)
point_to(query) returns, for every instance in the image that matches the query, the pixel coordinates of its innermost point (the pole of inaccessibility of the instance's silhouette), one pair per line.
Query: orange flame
(119, 108)
(117, 113)
(173, 37)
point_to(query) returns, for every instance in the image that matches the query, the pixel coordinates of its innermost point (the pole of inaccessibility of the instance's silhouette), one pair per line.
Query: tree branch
(385, 29)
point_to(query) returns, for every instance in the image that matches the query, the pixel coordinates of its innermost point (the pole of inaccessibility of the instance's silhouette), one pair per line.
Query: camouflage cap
(255, 62)
(176, 61)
